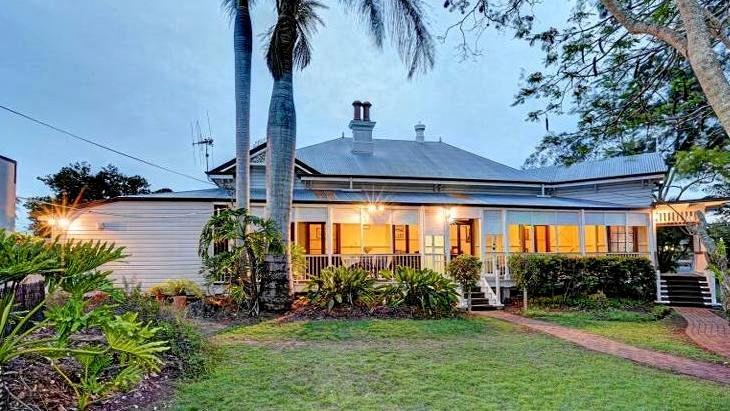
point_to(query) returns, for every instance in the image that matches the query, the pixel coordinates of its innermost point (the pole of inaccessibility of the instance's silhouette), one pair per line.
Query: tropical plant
(128, 353)
(465, 270)
(289, 47)
(21, 256)
(298, 260)
(337, 286)
(424, 289)
(175, 287)
(242, 264)
(721, 270)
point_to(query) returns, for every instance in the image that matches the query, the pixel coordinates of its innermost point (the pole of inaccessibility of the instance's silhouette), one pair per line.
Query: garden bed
(303, 311)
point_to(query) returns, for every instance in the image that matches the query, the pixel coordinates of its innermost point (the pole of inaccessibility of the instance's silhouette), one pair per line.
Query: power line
(89, 141)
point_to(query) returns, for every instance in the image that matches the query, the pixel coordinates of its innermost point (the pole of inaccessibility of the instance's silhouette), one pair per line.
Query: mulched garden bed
(303, 311)
(32, 384)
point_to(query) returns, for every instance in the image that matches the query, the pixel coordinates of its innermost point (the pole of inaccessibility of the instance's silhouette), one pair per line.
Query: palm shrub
(242, 264)
(424, 289)
(337, 286)
(465, 270)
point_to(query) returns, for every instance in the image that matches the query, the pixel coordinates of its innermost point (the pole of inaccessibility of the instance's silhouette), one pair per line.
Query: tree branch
(636, 26)
(716, 26)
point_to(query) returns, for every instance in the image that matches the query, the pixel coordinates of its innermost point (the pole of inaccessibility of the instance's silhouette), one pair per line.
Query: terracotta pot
(160, 297)
(179, 302)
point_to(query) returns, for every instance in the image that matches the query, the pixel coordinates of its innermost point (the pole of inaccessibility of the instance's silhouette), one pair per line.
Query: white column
(422, 234)
(447, 237)
(482, 240)
(652, 241)
(329, 235)
(505, 243)
(582, 232)
(362, 236)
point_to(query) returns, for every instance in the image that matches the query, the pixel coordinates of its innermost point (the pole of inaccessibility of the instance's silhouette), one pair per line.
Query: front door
(461, 237)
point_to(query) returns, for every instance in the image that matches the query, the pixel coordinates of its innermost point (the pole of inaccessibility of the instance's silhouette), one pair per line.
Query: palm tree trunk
(242, 46)
(281, 136)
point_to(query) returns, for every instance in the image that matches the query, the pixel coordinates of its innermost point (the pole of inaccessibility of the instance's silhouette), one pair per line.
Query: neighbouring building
(379, 203)
(8, 181)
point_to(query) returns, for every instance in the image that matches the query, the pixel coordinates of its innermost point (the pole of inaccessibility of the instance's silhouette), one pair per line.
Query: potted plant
(179, 290)
(465, 270)
(160, 292)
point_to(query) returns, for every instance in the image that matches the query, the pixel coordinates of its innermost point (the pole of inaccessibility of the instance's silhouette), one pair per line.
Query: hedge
(615, 276)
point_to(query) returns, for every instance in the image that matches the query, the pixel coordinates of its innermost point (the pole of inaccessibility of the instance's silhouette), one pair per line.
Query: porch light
(451, 214)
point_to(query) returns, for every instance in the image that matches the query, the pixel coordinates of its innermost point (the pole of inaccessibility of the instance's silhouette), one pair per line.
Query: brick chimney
(420, 129)
(362, 128)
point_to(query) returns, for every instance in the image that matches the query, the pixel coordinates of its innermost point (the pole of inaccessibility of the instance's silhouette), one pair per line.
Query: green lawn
(444, 364)
(666, 335)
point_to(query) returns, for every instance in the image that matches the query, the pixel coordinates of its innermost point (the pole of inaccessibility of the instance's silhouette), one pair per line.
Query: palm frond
(370, 13)
(289, 43)
(409, 32)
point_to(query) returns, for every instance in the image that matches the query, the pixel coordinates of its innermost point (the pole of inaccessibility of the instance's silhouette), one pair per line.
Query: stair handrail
(484, 285)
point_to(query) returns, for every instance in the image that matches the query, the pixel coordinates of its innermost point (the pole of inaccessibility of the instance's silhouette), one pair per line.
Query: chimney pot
(420, 129)
(362, 128)
(357, 109)
(366, 110)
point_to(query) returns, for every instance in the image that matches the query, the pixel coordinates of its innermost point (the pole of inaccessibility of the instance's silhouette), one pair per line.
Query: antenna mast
(202, 141)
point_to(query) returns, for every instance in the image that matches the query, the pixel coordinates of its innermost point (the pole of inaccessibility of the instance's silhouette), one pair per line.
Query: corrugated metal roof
(346, 196)
(406, 158)
(648, 163)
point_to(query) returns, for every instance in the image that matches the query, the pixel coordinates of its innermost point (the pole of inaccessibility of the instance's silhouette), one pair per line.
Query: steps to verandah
(685, 290)
(480, 301)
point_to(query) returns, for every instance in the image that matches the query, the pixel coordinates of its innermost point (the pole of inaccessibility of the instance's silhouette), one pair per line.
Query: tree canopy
(77, 183)
(616, 66)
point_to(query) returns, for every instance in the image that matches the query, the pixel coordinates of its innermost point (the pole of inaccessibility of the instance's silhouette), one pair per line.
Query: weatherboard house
(380, 203)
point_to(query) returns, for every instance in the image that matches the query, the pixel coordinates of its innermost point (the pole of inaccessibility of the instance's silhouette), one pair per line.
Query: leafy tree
(77, 183)
(640, 75)
(240, 264)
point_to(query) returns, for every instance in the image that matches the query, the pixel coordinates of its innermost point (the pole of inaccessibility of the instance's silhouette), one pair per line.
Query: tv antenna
(204, 142)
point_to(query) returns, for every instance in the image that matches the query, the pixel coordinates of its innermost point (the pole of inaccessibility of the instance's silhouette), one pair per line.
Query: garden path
(707, 329)
(699, 369)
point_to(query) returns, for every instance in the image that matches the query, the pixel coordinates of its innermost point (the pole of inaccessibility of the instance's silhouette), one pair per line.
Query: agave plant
(424, 289)
(335, 286)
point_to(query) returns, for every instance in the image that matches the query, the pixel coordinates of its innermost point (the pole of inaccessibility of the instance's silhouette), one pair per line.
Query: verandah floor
(476, 363)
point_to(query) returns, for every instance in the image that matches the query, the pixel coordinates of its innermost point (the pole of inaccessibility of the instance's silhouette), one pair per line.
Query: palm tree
(238, 11)
(289, 48)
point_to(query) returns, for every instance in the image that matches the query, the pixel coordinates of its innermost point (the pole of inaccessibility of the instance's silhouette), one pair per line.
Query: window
(543, 238)
(311, 237)
(405, 239)
(596, 239)
(219, 246)
(347, 238)
(622, 239)
(376, 238)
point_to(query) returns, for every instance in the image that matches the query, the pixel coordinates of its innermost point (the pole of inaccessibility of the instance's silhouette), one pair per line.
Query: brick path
(700, 369)
(707, 329)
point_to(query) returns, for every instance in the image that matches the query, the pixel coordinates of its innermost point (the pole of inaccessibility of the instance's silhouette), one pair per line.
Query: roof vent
(420, 129)
(362, 128)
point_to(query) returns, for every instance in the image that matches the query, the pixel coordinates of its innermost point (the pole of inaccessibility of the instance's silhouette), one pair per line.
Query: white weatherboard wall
(160, 237)
(7, 193)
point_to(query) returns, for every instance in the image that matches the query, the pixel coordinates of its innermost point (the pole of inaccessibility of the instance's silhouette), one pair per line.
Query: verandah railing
(493, 263)
(372, 263)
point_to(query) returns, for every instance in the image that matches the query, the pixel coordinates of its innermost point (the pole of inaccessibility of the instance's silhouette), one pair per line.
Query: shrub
(335, 286)
(465, 270)
(424, 289)
(187, 353)
(177, 287)
(614, 276)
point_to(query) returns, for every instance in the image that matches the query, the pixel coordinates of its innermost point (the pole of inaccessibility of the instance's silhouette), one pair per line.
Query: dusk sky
(134, 74)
